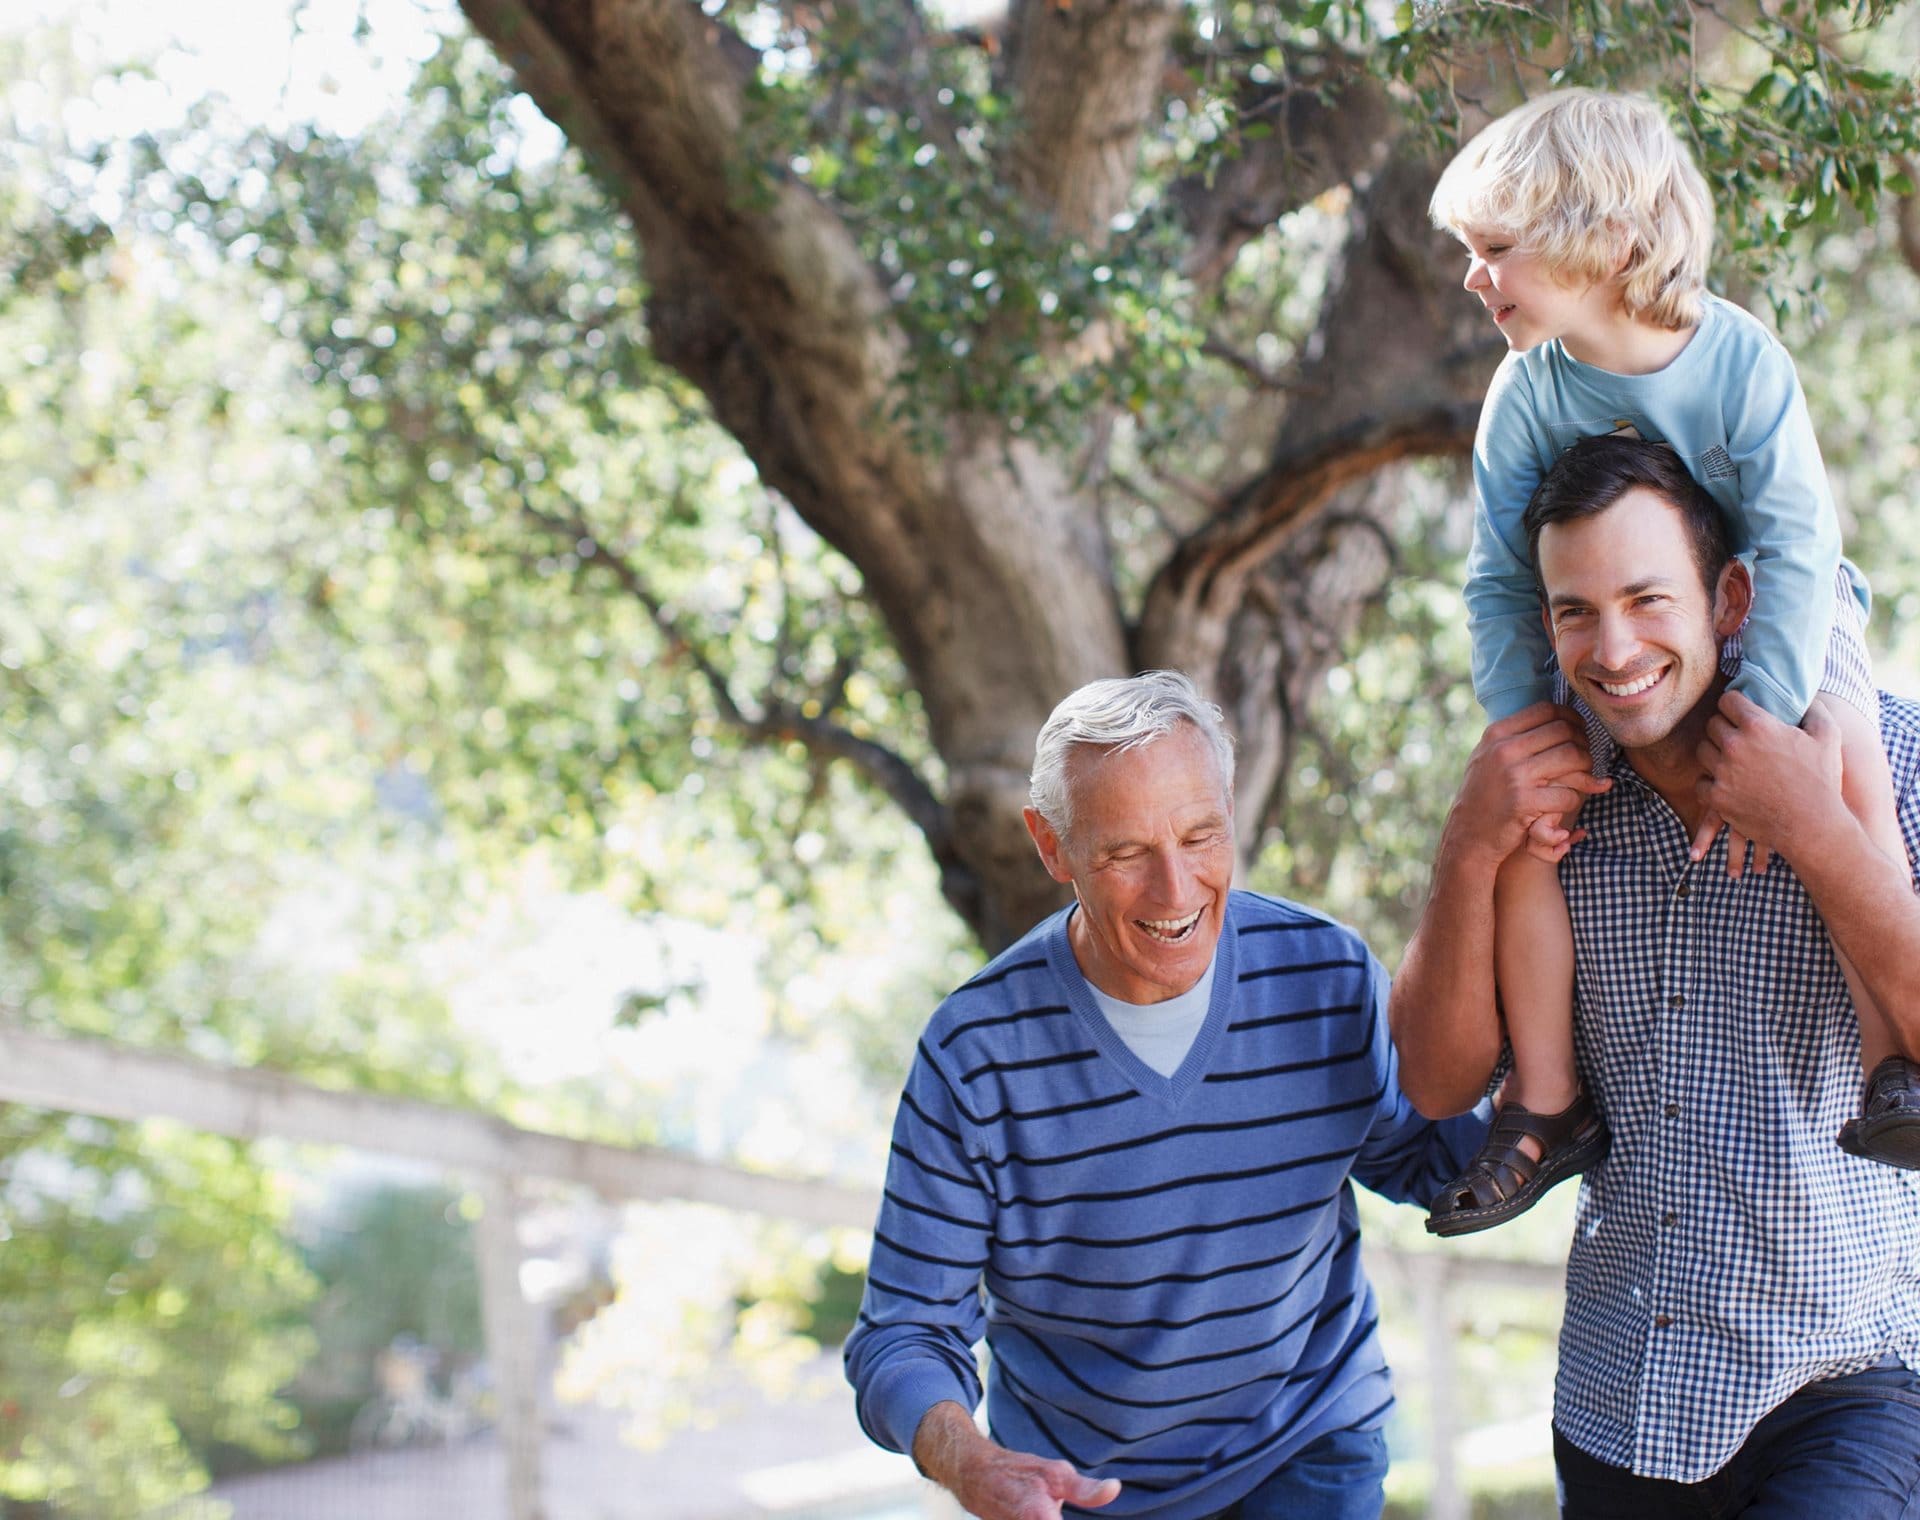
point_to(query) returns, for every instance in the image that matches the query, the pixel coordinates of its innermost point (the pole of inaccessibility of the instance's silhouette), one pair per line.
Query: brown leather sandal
(1503, 1181)
(1888, 1128)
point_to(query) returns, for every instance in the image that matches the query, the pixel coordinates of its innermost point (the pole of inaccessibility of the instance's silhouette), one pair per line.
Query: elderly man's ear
(1049, 844)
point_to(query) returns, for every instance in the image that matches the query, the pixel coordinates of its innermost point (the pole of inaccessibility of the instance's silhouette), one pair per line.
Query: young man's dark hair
(1596, 472)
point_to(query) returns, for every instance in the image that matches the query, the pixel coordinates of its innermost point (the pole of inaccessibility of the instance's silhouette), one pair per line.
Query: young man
(1743, 1297)
(1123, 1158)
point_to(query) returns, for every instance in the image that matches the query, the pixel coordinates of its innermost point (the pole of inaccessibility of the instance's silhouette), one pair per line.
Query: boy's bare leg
(1867, 786)
(1533, 968)
(1545, 1131)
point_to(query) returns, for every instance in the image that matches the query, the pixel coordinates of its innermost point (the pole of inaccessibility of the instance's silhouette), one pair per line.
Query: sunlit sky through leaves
(544, 975)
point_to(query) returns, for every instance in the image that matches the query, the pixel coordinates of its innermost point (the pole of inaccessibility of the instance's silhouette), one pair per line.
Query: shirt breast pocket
(1785, 984)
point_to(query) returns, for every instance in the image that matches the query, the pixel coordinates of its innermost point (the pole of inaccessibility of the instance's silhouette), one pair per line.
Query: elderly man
(1123, 1156)
(1743, 1296)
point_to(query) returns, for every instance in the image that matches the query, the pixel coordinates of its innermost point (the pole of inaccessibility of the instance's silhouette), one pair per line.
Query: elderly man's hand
(1769, 780)
(1532, 765)
(994, 1483)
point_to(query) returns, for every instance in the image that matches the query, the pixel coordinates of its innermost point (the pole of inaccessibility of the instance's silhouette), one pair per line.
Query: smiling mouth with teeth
(1171, 931)
(1634, 687)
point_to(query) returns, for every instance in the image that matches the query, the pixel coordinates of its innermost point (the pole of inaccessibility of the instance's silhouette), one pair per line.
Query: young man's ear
(1732, 598)
(1052, 849)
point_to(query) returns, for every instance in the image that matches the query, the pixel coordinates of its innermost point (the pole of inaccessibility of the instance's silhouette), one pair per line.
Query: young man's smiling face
(1636, 632)
(1150, 856)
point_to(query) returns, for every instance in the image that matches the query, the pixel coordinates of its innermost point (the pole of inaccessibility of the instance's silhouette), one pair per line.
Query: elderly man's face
(1151, 861)
(1635, 630)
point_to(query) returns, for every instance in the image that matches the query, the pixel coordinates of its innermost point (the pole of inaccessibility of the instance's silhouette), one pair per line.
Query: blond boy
(1588, 232)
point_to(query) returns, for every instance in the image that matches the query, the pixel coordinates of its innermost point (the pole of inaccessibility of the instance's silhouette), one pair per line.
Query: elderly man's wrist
(941, 1443)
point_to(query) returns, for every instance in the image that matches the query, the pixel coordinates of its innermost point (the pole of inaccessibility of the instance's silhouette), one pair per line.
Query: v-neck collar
(1171, 1091)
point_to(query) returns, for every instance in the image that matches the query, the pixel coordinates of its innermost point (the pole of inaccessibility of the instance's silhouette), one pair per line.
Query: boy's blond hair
(1580, 177)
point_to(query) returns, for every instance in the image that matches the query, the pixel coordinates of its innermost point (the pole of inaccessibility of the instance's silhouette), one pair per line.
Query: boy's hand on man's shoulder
(1771, 781)
(1531, 766)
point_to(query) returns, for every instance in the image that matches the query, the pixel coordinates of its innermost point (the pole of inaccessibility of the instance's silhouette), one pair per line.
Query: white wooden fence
(121, 1082)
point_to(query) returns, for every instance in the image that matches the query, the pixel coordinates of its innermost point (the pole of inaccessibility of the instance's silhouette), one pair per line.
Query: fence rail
(113, 1081)
(124, 1082)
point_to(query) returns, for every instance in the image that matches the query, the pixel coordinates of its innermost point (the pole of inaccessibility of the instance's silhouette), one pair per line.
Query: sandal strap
(1893, 1087)
(1503, 1168)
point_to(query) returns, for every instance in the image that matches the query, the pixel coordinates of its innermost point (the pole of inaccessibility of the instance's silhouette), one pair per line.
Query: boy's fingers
(1704, 835)
(1736, 853)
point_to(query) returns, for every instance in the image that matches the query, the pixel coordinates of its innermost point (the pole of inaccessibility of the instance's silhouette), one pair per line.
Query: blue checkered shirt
(1727, 1252)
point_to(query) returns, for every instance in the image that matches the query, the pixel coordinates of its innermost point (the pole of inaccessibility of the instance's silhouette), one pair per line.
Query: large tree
(1093, 334)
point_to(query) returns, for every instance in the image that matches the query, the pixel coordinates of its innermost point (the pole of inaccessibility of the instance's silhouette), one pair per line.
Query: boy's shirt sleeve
(1510, 646)
(1407, 1157)
(1787, 519)
(921, 1315)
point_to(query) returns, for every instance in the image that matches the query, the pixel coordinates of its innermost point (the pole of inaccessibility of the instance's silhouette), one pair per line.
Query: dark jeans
(1341, 1476)
(1846, 1448)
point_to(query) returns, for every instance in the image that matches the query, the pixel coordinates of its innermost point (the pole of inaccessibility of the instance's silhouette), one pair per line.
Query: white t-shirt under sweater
(1160, 1034)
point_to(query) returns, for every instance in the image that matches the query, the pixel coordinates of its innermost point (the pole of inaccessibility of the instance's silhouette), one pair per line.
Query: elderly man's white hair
(1120, 714)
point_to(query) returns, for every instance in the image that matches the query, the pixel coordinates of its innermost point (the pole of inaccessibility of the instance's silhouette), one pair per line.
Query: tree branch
(1352, 415)
(1329, 124)
(1205, 579)
(1085, 78)
(777, 718)
(656, 90)
(1217, 347)
(529, 46)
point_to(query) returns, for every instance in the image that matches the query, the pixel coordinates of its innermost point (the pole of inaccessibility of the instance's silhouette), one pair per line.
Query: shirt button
(1661, 1321)
(1679, 1000)
(1683, 890)
(1669, 1219)
(1673, 1110)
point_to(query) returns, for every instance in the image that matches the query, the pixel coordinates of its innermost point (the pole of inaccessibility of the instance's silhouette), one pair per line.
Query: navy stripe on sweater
(1171, 1267)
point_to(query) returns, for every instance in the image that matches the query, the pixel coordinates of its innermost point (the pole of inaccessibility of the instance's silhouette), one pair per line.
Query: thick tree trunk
(986, 556)
(1249, 603)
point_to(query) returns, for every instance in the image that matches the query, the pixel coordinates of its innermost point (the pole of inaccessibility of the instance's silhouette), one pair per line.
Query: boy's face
(1527, 303)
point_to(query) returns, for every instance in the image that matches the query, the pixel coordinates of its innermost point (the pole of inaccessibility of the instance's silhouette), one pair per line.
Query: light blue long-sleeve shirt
(1731, 406)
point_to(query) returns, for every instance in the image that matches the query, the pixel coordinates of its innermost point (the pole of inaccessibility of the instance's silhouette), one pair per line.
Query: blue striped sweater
(1166, 1269)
